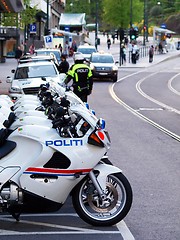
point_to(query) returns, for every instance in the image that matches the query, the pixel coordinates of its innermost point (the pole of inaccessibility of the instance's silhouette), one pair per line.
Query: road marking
(170, 85)
(125, 232)
(150, 109)
(122, 228)
(118, 100)
(138, 88)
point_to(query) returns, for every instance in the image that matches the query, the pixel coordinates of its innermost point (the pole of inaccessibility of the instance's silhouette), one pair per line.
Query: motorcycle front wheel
(109, 211)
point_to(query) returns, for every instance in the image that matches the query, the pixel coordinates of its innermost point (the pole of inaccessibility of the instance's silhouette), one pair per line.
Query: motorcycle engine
(11, 195)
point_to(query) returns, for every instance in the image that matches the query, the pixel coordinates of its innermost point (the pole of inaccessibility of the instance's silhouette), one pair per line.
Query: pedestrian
(108, 43)
(160, 46)
(123, 49)
(60, 48)
(22, 47)
(74, 46)
(113, 37)
(18, 53)
(64, 65)
(31, 49)
(134, 53)
(66, 49)
(82, 78)
(151, 53)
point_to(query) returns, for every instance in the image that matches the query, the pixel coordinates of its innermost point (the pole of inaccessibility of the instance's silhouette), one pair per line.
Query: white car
(86, 50)
(104, 66)
(29, 76)
(49, 51)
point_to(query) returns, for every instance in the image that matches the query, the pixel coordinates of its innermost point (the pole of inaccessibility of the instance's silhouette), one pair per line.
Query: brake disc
(107, 204)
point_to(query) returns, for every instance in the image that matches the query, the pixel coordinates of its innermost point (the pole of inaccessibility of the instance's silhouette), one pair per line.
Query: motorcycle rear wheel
(108, 212)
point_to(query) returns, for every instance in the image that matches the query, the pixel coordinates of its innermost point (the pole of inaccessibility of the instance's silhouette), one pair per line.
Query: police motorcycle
(41, 108)
(40, 166)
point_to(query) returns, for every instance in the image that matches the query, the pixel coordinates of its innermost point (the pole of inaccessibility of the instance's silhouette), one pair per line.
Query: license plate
(103, 74)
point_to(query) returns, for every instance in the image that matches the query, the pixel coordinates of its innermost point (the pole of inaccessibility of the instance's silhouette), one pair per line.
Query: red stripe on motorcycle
(61, 171)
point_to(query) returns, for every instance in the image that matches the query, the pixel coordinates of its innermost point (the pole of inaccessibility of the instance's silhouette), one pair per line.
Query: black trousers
(83, 97)
(133, 57)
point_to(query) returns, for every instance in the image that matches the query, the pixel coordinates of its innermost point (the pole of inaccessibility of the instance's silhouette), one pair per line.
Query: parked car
(103, 65)
(33, 58)
(29, 76)
(86, 50)
(48, 51)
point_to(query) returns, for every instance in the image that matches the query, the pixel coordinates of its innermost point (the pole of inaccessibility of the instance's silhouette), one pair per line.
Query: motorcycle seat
(6, 148)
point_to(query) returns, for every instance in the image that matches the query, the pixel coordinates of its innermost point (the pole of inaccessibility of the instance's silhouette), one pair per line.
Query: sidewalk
(142, 62)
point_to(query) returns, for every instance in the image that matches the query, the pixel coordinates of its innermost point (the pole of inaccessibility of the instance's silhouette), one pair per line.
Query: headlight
(115, 68)
(15, 90)
(92, 66)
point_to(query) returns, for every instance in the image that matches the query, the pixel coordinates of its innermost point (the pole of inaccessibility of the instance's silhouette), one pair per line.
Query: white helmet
(79, 57)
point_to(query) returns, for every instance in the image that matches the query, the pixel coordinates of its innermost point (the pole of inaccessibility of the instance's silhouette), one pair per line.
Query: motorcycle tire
(108, 212)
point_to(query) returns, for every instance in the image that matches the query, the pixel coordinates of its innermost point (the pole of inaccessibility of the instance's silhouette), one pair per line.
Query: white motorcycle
(41, 166)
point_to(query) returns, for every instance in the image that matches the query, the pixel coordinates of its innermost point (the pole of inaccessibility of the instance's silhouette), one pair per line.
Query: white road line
(73, 230)
(138, 114)
(125, 232)
(170, 85)
(138, 88)
(49, 225)
(9, 233)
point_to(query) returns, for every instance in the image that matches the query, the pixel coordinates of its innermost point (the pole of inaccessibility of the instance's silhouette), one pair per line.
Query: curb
(152, 64)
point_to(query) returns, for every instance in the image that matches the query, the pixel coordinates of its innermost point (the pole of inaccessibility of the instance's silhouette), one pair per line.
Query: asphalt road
(144, 150)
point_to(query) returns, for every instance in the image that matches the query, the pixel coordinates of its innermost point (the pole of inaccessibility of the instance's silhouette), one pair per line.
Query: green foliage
(9, 19)
(156, 11)
(27, 16)
(85, 6)
(118, 12)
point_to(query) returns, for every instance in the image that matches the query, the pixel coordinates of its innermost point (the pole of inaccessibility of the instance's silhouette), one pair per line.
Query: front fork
(99, 181)
(97, 185)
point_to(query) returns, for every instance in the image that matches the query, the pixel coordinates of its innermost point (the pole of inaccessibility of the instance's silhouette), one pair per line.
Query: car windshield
(86, 50)
(102, 59)
(35, 71)
(56, 53)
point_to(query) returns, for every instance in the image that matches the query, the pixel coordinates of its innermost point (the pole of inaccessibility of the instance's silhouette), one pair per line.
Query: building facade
(47, 17)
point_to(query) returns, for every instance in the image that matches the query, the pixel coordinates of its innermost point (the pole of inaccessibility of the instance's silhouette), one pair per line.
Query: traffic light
(136, 33)
(47, 32)
(133, 32)
(116, 35)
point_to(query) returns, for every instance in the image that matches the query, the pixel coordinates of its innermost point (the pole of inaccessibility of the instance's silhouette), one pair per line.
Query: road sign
(163, 25)
(67, 29)
(48, 40)
(32, 28)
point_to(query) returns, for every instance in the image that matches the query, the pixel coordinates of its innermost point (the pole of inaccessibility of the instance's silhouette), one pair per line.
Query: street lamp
(47, 21)
(131, 14)
(145, 28)
(96, 30)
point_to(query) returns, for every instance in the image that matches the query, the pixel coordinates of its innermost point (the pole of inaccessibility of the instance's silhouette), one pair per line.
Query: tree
(28, 15)
(86, 6)
(117, 12)
(20, 20)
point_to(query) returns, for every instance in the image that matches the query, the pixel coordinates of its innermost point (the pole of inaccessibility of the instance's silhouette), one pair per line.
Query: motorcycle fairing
(105, 170)
(51, 184)
(7, 173)
(28, 120)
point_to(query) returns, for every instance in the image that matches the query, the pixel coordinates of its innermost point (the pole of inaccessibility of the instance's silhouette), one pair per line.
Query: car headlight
(15, 90)
(115, 68)
(92, 66)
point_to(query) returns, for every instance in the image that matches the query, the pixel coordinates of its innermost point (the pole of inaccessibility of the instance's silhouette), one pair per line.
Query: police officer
(82, 78)
(64, 65)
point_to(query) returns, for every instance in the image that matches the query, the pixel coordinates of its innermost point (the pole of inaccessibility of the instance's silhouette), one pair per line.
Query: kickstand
(16, 216)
